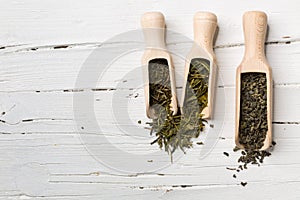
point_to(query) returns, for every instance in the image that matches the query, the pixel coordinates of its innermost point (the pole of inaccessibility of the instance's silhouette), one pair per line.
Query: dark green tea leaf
(253, 124)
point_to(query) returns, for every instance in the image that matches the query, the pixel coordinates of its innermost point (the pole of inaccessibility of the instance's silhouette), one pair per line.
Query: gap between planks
(73, 90)
(92, 45)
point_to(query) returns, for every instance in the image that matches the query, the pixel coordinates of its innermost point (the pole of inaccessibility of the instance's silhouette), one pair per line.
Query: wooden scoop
(255, 28)
(153, 24)
(205, 25)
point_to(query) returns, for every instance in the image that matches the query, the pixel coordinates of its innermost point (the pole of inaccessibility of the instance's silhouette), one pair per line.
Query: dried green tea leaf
(253, 110)
(253, 124)
(177, 131)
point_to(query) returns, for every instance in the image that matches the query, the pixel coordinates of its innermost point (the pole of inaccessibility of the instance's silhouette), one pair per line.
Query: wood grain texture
(43, 46)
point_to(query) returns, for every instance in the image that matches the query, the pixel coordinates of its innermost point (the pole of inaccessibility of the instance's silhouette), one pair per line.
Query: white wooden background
(43, 45)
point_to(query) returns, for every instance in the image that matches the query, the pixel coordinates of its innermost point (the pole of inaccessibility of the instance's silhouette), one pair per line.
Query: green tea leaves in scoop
(253, 123)
(159, 87)
(196, 92)
(177, 131)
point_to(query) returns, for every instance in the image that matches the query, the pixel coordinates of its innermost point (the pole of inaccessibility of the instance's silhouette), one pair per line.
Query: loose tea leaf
(196, 92)
(226, 154)
(244, 184)
(253, 124)
(159, 101)
(177, 131)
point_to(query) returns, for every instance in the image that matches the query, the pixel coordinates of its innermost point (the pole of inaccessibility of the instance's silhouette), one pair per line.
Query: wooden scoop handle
(153, 24)
(205, 25)
(255, 29)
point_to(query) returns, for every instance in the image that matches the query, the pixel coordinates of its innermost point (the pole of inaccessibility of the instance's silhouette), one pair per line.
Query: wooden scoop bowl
(255, 28)
(153, 24)
(205, 25)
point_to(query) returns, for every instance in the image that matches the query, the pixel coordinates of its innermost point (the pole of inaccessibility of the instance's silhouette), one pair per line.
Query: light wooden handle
(205, 25)
(153, 24)
(255, 29)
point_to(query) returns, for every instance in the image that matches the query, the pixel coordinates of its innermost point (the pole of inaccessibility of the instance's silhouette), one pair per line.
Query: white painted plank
(54, 111)
(285, 190)
(58, 69)
(63, 22)
(69, 166)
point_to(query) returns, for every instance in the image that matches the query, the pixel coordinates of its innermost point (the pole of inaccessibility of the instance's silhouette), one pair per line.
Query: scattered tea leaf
(236, 149)
(244, 184)
(226, 154)
(230, 168)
